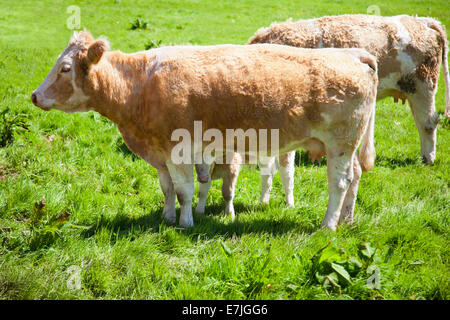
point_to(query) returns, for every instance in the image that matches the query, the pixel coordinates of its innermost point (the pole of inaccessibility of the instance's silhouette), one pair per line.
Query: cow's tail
(367, 151)
(437, 26)
(446, 73)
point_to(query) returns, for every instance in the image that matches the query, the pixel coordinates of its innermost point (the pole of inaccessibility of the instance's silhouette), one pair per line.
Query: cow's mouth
(34, 99)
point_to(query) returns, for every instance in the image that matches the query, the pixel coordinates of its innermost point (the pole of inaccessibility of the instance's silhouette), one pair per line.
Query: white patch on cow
(48, 81)
(78, 98)
(389, 82)
(407, 64)
(402, 33)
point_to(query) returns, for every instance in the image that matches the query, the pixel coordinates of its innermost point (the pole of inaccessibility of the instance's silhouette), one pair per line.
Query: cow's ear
(96, 50)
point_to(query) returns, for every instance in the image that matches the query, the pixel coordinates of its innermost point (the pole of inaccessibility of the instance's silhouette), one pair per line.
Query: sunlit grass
(115, 234)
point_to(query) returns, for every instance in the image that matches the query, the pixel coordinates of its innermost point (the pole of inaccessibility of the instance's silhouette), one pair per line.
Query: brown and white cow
(317, 99)
(409, 51)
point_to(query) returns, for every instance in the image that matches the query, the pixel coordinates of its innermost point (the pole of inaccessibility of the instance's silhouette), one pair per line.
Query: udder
(315, 148)
(397, 95)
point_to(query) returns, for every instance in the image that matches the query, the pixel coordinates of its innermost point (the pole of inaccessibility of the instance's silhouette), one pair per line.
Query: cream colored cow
(409, 51)
(321, 100)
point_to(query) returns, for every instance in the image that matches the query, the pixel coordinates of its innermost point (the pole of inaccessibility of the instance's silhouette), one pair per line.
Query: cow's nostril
(34, 98)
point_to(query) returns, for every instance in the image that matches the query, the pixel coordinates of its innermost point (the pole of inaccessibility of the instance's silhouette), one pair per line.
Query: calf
(409, 51)
(321, 100)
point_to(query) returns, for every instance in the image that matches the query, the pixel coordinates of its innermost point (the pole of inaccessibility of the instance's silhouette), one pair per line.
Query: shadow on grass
(214, 223)
(249, 219)
(302, 159)
(393, 163)
(122, 148)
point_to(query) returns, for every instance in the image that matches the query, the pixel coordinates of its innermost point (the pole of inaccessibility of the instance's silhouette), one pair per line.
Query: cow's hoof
(172, 220)
(199, 209)
(329, 225)
(188, 223)
(229, 211)
(290, 202)
(346, 217)
(429, 160)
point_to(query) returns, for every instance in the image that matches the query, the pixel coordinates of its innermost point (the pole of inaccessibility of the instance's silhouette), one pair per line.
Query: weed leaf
(340, 270)
(226, 249)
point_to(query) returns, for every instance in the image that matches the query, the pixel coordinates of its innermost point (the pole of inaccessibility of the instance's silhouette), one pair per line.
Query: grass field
(99, 232)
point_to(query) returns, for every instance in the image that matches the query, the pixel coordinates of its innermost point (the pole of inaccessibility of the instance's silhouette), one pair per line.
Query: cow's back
(403, 45)
(258, 86)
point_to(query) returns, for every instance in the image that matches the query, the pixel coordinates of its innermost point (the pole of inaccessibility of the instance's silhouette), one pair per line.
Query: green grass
(115, 235)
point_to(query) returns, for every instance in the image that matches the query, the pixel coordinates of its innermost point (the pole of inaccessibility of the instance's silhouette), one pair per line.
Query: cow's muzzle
(34, 99)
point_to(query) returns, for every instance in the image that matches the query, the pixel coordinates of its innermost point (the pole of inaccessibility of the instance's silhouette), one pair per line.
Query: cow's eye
(65, 69)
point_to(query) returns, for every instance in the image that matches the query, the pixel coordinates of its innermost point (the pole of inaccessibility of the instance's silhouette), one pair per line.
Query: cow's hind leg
(230, 174)
(348, 206)
(267, 171)
(340, 176)
(287, 170)
(203, 188)
(183, 180)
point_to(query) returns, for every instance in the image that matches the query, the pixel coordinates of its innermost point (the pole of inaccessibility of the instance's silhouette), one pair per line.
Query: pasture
(80, 215)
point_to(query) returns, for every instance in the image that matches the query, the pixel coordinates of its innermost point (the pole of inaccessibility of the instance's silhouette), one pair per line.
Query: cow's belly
(143, 148)
(388, 87)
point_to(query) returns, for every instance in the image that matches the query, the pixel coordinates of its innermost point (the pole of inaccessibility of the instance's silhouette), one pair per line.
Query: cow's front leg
(340, 176)
(168, 190)
(183, 180)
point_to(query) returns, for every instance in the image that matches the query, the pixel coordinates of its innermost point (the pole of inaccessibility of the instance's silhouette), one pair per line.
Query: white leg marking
(168, 190)
(426, 118)
(228, 188)
(287, 176)
(183, 180)
(203, 189)
(267, 168)
(340, 175)
(348, 206)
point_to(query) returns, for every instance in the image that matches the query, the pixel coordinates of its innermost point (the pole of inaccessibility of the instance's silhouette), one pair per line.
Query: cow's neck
(115, 86)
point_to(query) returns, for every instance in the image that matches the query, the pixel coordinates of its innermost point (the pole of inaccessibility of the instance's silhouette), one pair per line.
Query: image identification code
(230, 309)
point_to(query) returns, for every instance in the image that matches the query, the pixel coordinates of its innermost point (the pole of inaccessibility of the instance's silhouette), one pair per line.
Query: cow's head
(62, 89)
